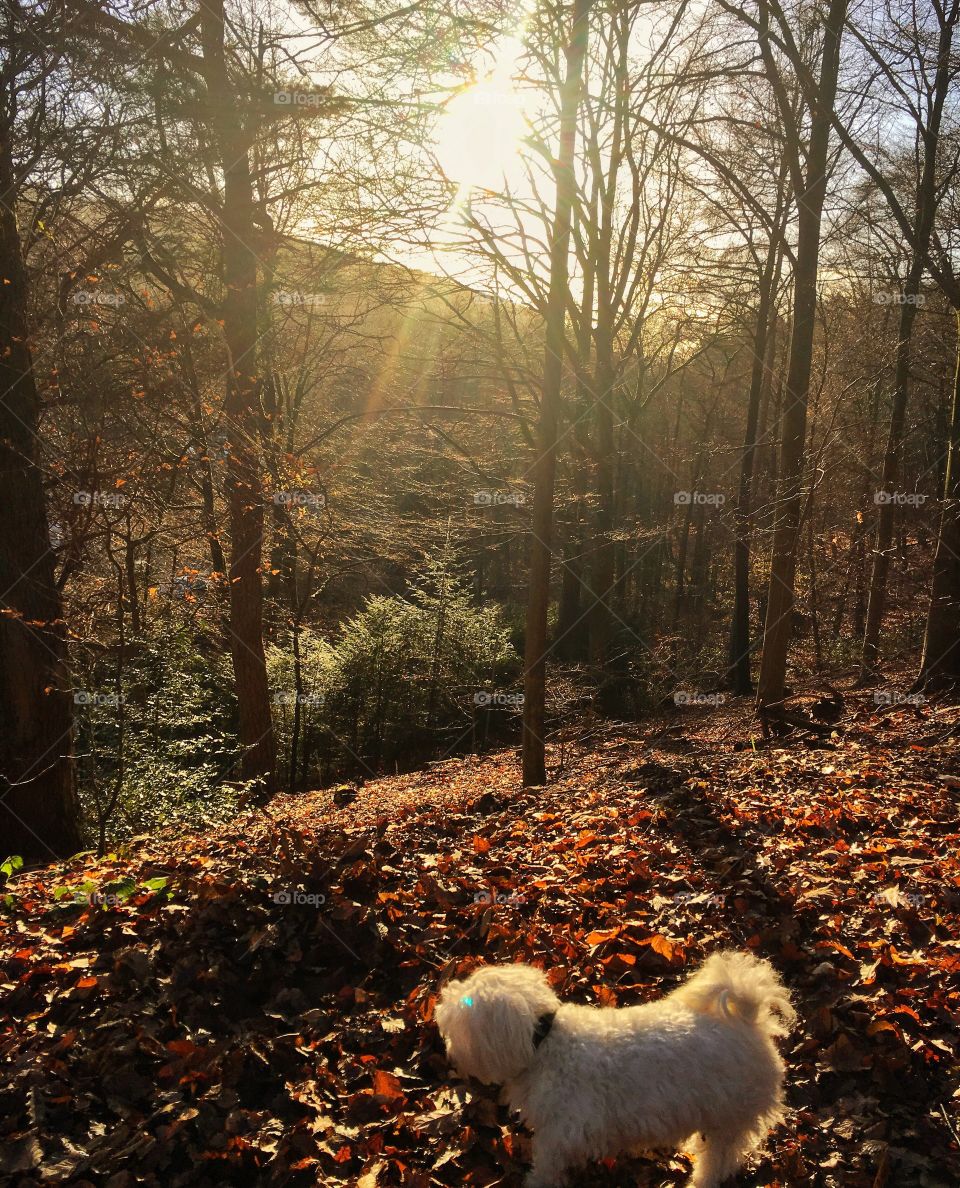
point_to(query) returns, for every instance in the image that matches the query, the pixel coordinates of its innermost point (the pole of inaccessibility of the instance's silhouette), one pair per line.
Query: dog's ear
(444, 1007)
(454, 1000)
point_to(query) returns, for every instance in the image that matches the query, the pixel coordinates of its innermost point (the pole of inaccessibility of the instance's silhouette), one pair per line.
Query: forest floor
(172, 1021)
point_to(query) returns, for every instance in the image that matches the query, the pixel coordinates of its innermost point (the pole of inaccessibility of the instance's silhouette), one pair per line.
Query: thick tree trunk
(544, 469)
(244, 487)
(777, 630)
(39, 815)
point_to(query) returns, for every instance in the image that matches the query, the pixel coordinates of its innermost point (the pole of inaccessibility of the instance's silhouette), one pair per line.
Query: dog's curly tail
(740, 985)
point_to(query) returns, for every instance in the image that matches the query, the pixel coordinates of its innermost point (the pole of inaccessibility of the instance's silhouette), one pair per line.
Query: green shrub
(157, 746)
(316, 665)
(401, 680)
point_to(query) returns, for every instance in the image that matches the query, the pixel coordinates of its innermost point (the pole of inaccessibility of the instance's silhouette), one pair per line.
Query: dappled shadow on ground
(263, 1017)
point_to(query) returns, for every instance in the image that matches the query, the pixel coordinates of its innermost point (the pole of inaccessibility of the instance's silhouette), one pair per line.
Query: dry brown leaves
(264, 1016)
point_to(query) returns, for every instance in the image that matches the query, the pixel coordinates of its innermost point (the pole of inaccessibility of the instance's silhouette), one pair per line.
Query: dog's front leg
(550, 1161)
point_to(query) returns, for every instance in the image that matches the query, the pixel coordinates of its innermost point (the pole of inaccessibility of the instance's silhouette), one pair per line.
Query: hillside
(254, 1005)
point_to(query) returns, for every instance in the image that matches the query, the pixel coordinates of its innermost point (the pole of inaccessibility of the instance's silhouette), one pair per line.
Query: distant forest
(323, 456)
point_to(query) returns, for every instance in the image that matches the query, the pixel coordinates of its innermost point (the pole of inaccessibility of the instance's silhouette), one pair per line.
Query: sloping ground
(263, 1016)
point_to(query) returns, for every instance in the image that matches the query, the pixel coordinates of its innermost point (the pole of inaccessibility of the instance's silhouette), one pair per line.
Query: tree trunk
(570, 636)
(602, 570)
(814, 594)
(604, 205)
(680, 566)
(699, 566)
(876, 601)
(218, 562)
(740, 678)
(544, 469)
(244, 488)
(940, 666)
(39, 814)
(923, 226)
(777, 629)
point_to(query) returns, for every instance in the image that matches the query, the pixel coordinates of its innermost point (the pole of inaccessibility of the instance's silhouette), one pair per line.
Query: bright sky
(480, 147)
(482, 128)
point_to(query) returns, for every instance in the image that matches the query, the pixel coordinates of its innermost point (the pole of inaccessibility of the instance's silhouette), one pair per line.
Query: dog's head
(489, 1021)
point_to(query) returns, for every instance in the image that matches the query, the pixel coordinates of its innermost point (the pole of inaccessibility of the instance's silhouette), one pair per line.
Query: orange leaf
(661, 945)
(386, 1086)
(601, 935)
(882, 1025)
(182, 1047)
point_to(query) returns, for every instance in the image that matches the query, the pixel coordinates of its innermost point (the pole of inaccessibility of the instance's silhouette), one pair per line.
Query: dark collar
(542, 1029)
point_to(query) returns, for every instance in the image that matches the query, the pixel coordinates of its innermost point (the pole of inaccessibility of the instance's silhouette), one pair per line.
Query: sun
(482, 129)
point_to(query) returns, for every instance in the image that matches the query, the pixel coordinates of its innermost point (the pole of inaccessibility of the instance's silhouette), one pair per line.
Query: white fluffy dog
(697, 1070)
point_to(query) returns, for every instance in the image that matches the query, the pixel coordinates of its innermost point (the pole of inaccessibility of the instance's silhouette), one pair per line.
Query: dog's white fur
(697, 1070)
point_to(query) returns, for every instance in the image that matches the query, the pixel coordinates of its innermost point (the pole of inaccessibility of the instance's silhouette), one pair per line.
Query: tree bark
(810, 200)
(740, 677)
(603, 568)
(544, 469)
(877, 596)
(940, 665)
(926, 212)
(39, 813)
(602, 571)
(242, 405)
(570, 637)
